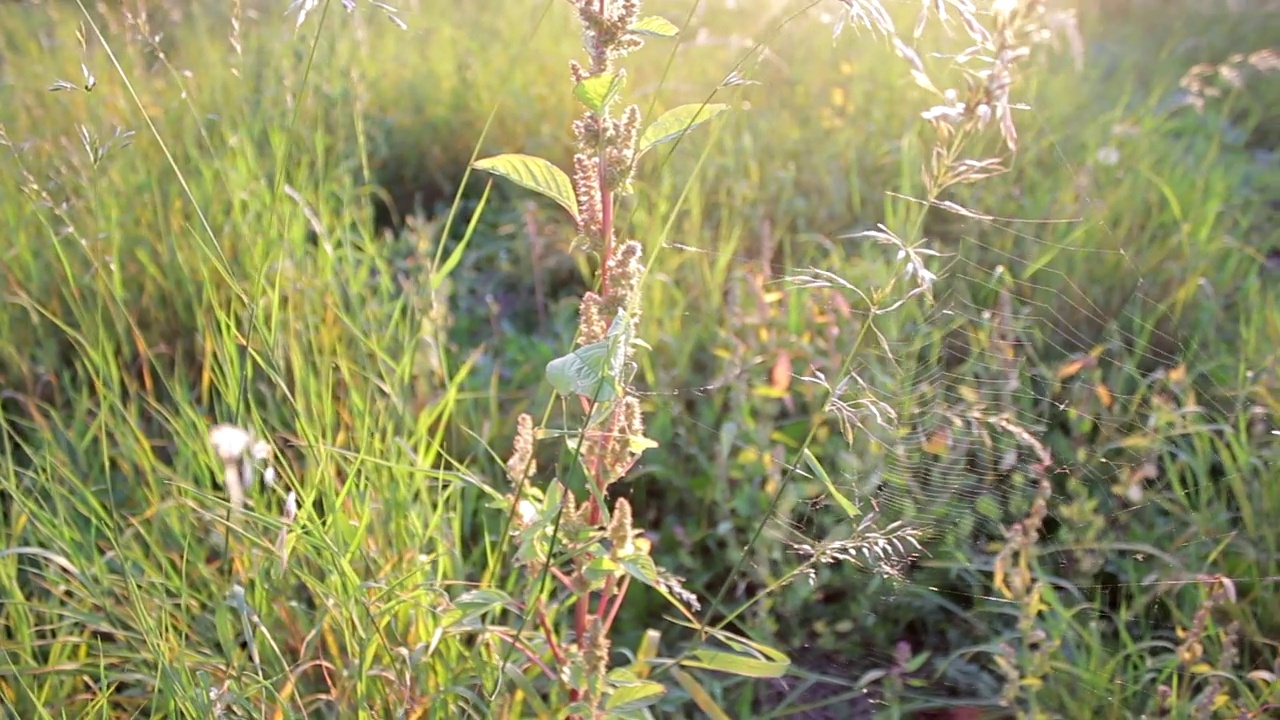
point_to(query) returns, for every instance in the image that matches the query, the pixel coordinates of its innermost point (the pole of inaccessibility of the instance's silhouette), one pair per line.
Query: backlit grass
(204, 224)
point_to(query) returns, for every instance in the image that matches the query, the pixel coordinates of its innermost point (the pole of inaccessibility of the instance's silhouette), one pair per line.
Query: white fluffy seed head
(229, 442)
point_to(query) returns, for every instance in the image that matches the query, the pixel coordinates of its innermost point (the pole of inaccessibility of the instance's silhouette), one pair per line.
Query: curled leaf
(536, 174)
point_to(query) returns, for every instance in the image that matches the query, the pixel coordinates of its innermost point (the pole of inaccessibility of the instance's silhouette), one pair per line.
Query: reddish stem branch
(606, 226)
(564, 579)
(606, 595)
(528, 652)
(582, 608)
(550, 634)
(616, 605)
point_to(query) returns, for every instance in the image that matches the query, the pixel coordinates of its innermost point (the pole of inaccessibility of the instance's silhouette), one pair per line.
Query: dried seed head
(520, 464)
(620, 528)
(591, 319)
(625, 271)
(586, 185)
(595, 649)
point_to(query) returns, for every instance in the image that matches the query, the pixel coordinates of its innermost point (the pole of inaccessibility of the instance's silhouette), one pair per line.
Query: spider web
(977, 371)
(949, 416)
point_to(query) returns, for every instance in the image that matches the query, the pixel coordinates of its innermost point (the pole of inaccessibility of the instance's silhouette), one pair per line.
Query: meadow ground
(264, 341)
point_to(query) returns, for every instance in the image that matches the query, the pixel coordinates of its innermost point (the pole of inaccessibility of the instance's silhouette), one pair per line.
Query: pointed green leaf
(598, 91)
(534, 173)
(653, 26)
(472, 604)
(439, 275)
(676, 122)
(760, 652)
(642, 568)
(735, 664)
(600, 568)
(634, 696)
(699, 695)
(916, 662)
(848, 507)
(484, 599)
(647, 651)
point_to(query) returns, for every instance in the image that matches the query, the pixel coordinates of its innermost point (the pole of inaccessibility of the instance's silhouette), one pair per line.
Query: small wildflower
(1107, 155)
(230, 442)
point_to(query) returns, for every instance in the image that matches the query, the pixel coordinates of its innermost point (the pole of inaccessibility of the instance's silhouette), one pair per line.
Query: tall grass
(222, 219)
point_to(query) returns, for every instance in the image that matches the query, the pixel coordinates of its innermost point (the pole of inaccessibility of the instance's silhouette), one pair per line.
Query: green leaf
(534, 173)
(642, 568)
(439, 275)
(634, 696)
(699, 695)
(529, 692)
(472, 604)
(751, 658)
(676, 122)
(916, 662)
(735, 664)
(848, 507)
(483, 600)
(598, 91)
(646, 652)
(600, 568)
(653, 26)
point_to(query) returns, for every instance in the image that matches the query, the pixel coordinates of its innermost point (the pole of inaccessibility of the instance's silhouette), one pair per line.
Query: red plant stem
(606, 595)
(528, 652)
(551, 637)
(606, 226)
(582, 613)
(617, 605)
(598, 468)
(562, 577)
(582, 610)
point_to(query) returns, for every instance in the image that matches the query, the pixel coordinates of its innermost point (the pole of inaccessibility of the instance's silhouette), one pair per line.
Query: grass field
(919, 448)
